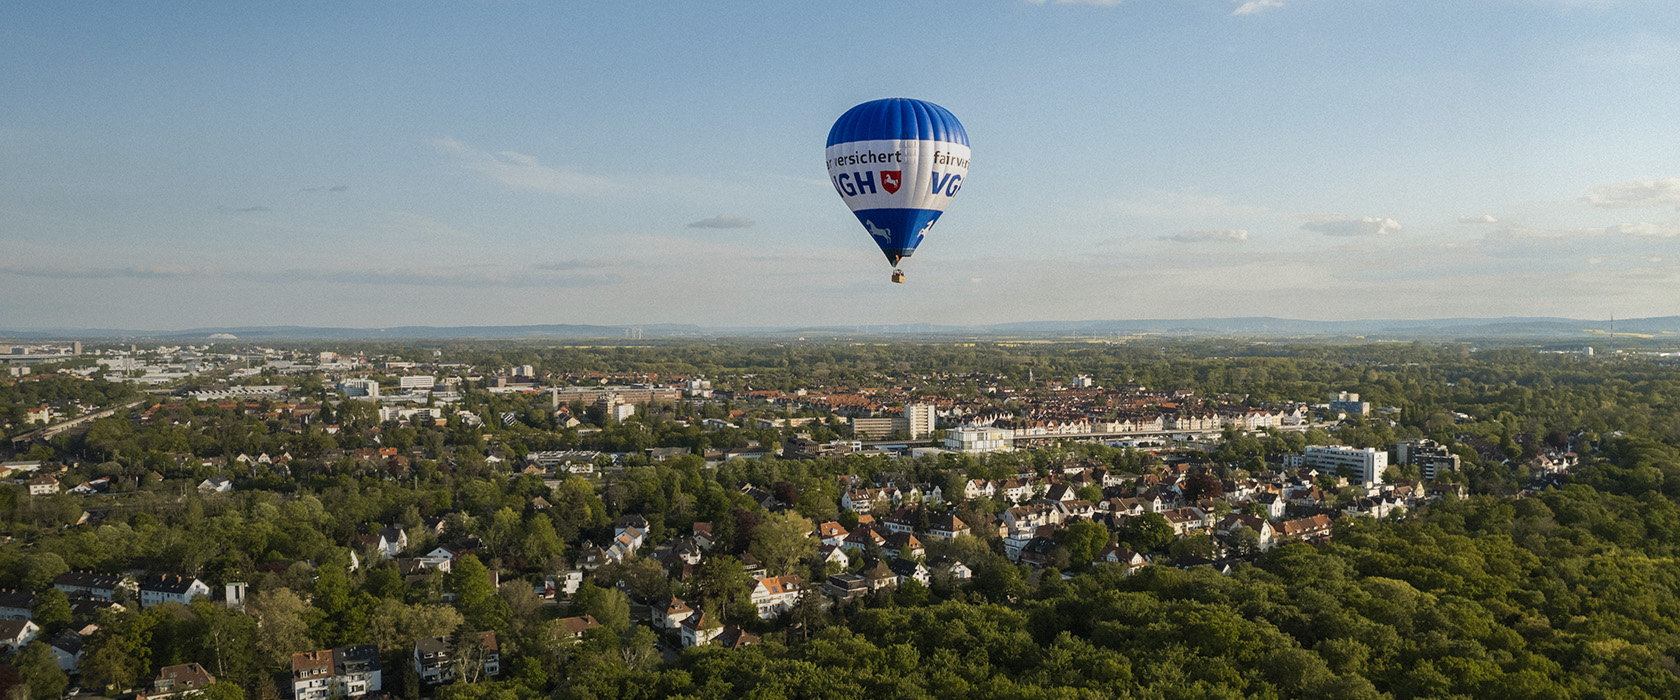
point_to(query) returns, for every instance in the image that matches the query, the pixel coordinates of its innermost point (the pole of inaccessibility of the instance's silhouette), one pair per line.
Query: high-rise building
(920, 418)
(1431, 457)
(360, 387)
(1350, 403)
(1365, 464)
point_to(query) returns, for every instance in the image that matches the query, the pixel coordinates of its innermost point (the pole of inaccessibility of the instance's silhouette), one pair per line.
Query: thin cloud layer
(1483, 219)
(1660, 192)
(332, 188)
(1643, 229)
(523, 172)
(1349, 226)
(723, 221)
(1234, 235)
(1256, 6)
(81, 272)
(1180, 204)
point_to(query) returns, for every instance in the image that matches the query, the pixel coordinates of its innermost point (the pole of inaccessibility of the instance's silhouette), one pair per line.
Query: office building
(1364, 465)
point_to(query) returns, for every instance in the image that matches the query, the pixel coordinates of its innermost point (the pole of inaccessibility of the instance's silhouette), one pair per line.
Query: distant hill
(1258, 327)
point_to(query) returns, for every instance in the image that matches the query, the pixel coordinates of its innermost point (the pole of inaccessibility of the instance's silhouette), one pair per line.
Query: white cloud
(1180, 204)
(1659, 192)
(1350, 226)
(1471, 219)
(85, 272)
(1596, 260)
(1511, 232)
(1257, 6)
(723, 221)
(1648, 230)
(524, 172)
(1233, 235)
(1099, 3)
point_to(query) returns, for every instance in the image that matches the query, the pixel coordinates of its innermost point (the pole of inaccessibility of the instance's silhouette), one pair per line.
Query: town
(233, 519)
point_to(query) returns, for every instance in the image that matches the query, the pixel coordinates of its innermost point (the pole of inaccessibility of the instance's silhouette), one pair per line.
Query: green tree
(40, 672)
(782, 540)
(469, 580)
(1149, 533)
(52, 611)
(281, 626)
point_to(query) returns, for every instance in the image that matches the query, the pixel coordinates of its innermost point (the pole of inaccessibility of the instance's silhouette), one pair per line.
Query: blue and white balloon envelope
(897, 163)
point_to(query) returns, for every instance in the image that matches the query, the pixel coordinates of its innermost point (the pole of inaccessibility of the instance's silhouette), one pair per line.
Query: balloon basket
(898, 277)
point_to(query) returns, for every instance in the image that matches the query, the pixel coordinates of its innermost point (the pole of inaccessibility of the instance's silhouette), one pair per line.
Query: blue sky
(171, 165)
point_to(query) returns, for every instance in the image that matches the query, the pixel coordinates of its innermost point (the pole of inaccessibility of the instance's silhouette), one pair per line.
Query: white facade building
(921, 418)
(360, 387)
(417, 381)
(976, 439)
(1366, 464)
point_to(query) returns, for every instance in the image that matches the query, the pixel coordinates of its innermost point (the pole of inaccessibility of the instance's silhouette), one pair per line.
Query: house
(628, 522)
(443, 557)
(733, 637)
(180, 679)
(1038, 551)
(433, 663)
(392, 541)
(100, 485)
(1030, 517)
(669, 613)
(1257, 524)
(625, 543)
(1061, 492)
(171, 588)
(1115, 554)
(946, 526)
(343, 672)
(96, 586)
(949, 570)
(908, 570)
(904, 544)
(700, 628)
(775, 594)
(703, 535)
(1184, 520)
(878, 576)
(752, 566)
(829, 554)
(16, 605)
(862, 538)
(42, 485)
(832, 532)
(574, 627)
(591, 557)
(66, 648)
(846, 587)
(1305, 528)
(15, 633)
(215, 484)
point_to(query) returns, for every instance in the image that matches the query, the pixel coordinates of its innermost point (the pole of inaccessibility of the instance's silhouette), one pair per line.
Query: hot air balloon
(897, 163)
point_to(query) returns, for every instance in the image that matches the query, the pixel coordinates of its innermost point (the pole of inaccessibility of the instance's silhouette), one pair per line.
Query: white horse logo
(885, 234)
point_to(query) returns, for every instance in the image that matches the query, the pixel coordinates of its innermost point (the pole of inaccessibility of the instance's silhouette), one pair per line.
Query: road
(48, 432)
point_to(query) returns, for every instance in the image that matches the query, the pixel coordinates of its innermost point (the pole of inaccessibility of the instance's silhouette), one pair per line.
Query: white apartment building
(417, 381)
(977, 439)
(1366, 464)
(921, 418)
(360, 387)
